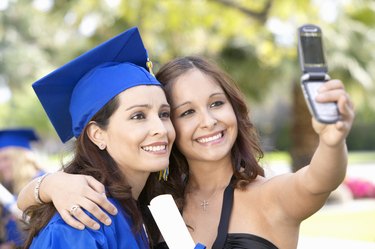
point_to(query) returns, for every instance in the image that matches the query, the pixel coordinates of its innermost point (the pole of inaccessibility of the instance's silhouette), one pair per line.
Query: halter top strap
(225, 216)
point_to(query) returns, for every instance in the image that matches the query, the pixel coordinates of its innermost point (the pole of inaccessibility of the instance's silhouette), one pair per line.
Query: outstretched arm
(304, 192)
(67, 190)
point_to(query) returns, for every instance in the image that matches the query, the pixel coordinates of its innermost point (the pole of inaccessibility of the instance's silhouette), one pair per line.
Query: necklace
(205, 202)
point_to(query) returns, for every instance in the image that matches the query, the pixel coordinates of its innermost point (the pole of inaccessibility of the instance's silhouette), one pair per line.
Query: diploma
(170, 222)
(9, 201)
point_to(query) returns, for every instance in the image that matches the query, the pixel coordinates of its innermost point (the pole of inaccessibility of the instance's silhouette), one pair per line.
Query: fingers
(99, 196)
(330, 85)
(88, 194)
(84, 218)
(65, 215)
(95, 184)
(334, 91)
(345, 105)
(92, 202)
(346, 109)
(331, 91)
(92, 207)
(75, 215)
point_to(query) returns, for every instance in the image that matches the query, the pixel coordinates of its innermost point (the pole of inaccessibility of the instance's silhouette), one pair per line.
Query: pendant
(204, 204)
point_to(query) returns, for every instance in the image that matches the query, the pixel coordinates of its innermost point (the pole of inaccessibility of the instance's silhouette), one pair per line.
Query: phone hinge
(317, 76)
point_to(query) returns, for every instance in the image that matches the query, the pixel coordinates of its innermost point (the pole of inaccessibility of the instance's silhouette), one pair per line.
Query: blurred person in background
(18, 165)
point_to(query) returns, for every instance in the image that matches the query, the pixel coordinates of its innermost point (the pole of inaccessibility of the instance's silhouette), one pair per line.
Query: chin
(155, 167)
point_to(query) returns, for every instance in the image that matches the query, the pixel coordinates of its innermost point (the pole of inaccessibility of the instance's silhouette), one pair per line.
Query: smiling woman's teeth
(209, 139)
(154, 148)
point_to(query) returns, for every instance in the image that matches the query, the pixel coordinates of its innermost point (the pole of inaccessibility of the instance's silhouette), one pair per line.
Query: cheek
(173, 135)
(179, 138)
(181, 134)
(122, 139)
(182, 129)
(231, 117)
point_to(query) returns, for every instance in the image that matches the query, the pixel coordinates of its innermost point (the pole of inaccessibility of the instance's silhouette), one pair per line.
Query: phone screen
(312, 50)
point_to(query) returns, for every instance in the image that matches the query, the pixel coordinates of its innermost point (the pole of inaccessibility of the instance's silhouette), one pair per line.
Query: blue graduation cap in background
(72, 94)
(17, 138)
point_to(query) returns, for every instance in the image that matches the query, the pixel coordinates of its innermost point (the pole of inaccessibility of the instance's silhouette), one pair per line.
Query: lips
(210, 138)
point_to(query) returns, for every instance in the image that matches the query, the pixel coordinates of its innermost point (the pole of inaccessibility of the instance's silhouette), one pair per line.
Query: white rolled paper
(170, 222)
(8, 200)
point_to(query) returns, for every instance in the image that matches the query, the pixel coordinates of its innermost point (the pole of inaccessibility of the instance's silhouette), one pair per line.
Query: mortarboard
(17, 138)
(72, 94)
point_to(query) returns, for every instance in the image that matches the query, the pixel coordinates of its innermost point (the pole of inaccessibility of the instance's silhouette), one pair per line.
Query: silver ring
(73, 209)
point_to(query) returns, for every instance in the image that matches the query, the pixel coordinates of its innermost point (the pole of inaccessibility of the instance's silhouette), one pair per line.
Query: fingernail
(114, 211)
(81, 227)
(96, 226)
(108, 222)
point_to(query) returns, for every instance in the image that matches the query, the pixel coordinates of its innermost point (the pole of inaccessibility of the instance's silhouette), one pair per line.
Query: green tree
(254, 41)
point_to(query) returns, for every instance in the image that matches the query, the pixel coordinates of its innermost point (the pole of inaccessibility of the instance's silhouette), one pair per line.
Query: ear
(96, 135)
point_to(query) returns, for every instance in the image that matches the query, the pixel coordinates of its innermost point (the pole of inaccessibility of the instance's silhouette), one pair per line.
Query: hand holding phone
(314, 68)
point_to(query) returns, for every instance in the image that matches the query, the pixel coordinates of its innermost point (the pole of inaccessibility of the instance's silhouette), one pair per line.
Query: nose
(208, 120)
(157, 127)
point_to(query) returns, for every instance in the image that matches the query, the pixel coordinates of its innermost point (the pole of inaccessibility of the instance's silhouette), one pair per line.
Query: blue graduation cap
(17, 138)
(72, 94)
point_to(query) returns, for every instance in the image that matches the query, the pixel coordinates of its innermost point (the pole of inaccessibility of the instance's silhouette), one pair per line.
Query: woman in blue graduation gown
(18, 165)
(119, 114)
(118, 235)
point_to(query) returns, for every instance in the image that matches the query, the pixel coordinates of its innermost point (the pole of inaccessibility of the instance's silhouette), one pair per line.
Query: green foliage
(242, 35)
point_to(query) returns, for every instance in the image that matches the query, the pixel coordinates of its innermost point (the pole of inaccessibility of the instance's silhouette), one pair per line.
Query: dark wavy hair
(90, 160)
(246, 150)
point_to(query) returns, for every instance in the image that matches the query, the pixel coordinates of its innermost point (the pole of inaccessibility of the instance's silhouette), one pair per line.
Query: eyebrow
(145, 106)
(188, 102)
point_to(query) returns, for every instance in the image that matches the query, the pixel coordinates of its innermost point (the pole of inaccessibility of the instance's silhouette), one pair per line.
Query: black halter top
(225, 240)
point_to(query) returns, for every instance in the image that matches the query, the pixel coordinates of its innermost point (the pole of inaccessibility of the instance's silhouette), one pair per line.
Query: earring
(102, 146)
(163, 174)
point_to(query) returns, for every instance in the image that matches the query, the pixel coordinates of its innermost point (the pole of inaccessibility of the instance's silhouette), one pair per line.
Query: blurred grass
(355, 157)
(354, 223)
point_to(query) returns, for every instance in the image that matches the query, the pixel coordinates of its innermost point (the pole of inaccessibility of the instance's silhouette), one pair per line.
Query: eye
(165, 114)
(138, 116)
(188, 112)
(217, 103)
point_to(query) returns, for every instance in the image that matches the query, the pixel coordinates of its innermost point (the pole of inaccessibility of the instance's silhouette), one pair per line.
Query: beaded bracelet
(37, 187)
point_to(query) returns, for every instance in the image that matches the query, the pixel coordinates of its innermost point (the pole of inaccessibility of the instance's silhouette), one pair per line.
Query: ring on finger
(73, 209)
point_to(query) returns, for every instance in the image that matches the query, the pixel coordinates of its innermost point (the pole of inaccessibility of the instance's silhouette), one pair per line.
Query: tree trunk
(304, 138)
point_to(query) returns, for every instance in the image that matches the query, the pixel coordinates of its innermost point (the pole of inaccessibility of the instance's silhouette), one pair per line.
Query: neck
(209, 176)
(137, 182)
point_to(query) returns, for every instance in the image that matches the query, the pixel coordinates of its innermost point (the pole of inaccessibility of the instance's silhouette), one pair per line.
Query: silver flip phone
(315, 73)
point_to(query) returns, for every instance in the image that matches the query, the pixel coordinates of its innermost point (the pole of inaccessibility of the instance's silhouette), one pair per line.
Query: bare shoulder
(252, 190)
(262, 188)
(263, 182)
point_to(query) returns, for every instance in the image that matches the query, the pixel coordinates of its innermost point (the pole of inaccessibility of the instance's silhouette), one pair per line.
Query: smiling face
(204, 120)
(140, 133)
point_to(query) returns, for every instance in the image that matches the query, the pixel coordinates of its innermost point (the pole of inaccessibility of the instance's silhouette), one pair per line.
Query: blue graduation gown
(13, 230)
(57, 234)
(13, 233)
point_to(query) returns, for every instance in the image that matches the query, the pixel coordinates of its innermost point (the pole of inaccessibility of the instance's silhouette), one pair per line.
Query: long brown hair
(90, 160)
(246, 150)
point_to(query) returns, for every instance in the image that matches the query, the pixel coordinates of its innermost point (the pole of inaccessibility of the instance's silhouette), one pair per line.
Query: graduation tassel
(163, 174)
(149, 66)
